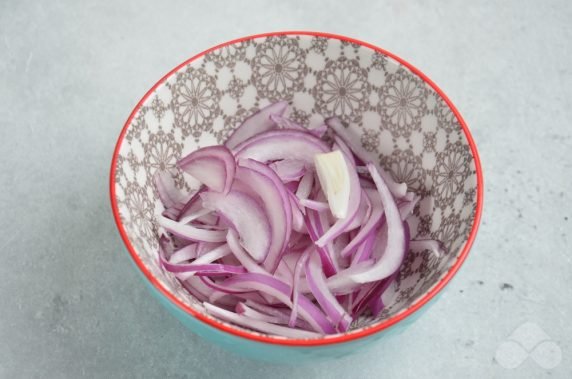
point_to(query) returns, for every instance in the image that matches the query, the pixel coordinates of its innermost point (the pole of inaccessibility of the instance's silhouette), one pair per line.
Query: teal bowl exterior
(281, 354)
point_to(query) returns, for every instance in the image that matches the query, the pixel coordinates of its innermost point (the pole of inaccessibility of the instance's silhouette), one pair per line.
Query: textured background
(72, 306)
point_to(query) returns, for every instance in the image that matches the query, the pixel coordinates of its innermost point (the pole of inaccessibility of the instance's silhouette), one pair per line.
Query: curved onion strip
(372, 222)
(355, 198)
(245, 310)
(274, 196)
(192, 233)
(397, 189)
(168, 193)
(192, 205)
(246, 216)
(363, 252)
(200, 264)
(298, 223)
(305, 187)
(259, 325)
(282, 144)
(281, 291)
(243, 257)
(184, 254)
(317, 283)
(289, 170)
(194, 216)
(373, 292)
(392, 257)
(315, 205)
(296, 283)
(312, 224)
(213, 166)
(257, 123)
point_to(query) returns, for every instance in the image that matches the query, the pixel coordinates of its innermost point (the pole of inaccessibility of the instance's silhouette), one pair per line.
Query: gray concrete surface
(71, 305)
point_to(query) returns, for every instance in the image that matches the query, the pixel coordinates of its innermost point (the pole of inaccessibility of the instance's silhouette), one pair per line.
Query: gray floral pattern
(184, 113)
(195, 101)
(161, 153)
(403, 101)
(279, 68)
(342, 89)
(370, 140)
(228, 55)
(378, 61)
(405, 167)
(451, 171)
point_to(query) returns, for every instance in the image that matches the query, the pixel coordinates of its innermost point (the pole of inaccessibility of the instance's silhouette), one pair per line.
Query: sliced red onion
(245, 310)
(363, 213)
(363, 252)
(193, 205)
(246, 216)
(371, 293)
(220, 289)
(257, 123)
(205, 247)
(168, 192)
(282, 144)
(268, 314)
(283, 273)
(201, 265)
(209, 269)
(191, 233)
(259, 325)
(314, 228)
(280, 313)
(197, 288)
(397, 189)
(289, 170)
(195, 216)
(276, 202)
(322, 223)
(290, 258)
(298, 223)
(305, 186)
(315, 205)
(243, 257)
(184, 254)
(213, 166)
(281, 291)
(317, 283)
(355, 198)
(295, 285)
(395, 249)
(368, 227)
(260, 237)
(409, 196)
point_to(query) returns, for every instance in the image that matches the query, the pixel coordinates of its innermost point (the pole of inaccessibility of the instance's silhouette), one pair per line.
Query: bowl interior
(395, 115)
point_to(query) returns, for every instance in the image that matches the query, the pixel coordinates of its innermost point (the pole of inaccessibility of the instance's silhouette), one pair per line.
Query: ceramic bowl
(395, 111)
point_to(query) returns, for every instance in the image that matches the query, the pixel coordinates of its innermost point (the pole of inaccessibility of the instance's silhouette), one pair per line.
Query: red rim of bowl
(347, 337)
